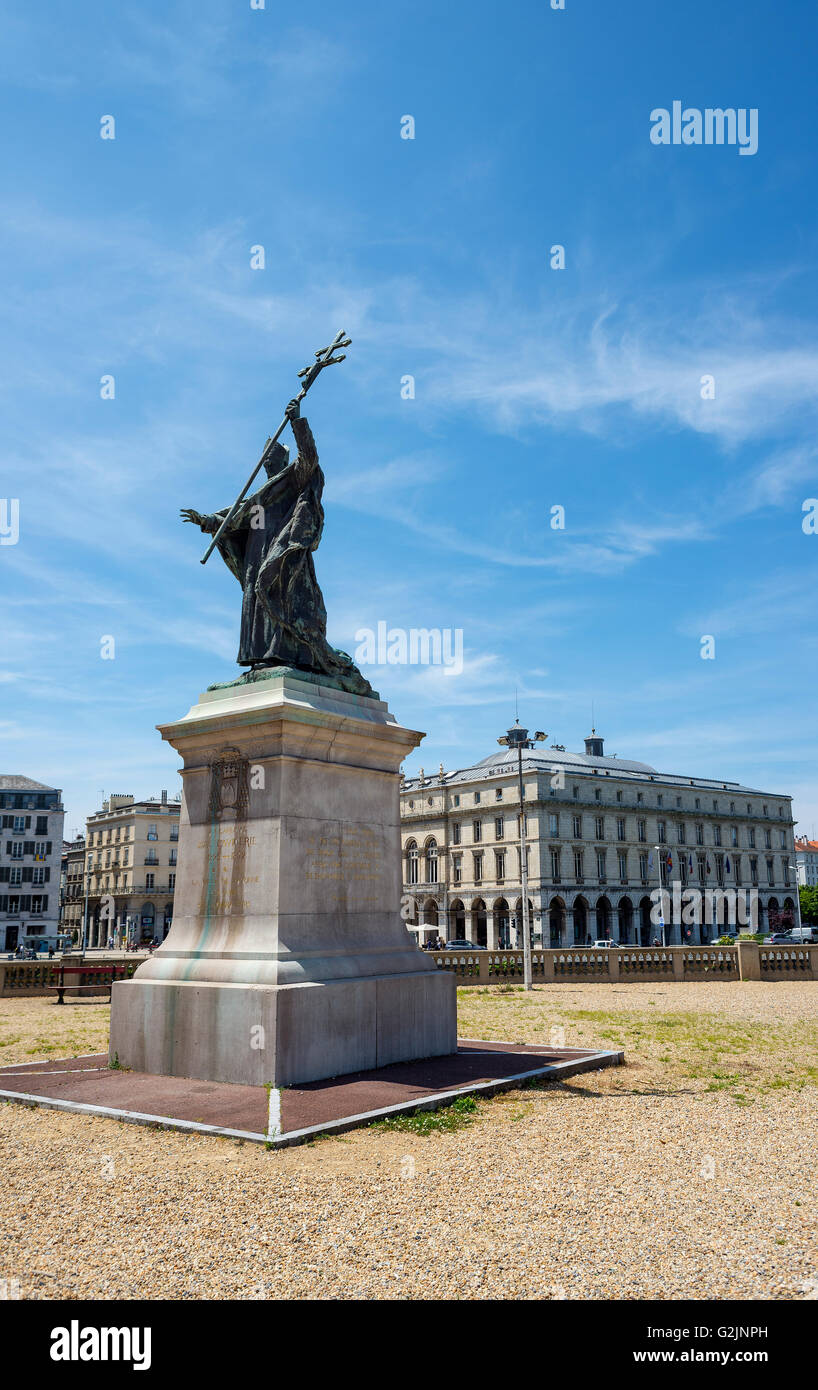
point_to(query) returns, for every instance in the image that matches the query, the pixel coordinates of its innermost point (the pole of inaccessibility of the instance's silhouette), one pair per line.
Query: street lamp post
(661, 891)
(87, 882)
(518, 738)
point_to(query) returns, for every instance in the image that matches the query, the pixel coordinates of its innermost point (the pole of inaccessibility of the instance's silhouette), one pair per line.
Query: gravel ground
(687, 1173)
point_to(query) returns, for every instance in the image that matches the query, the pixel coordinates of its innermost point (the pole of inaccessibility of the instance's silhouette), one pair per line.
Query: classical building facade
(31, 833)
(600, 833)
(806, 862)
(72, 889)
(130, 870)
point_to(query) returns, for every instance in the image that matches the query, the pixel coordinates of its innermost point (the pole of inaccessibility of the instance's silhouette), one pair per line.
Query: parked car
(802, 934)
(601, 944)
(780, 938)
(463, 946)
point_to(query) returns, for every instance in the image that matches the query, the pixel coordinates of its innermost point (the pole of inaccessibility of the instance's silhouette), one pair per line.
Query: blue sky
(534, 387)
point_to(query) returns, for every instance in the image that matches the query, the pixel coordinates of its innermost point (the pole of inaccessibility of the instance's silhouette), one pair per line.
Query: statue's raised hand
(293, 409)
(188, 514)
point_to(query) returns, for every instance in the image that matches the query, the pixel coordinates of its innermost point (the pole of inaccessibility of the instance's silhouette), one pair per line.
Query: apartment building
(602, 833)
(130, 870)
(31, 832)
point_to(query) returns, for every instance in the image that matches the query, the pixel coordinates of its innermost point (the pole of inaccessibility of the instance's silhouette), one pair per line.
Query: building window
(578, 827)
(477, 798)
(715, 805)
(662, 832)
(498, 793)
(785, 865)
(556, 855)
(477, 860)
(751, 837)
(602, 865)
(411, 862)
(660, 800)
(499, 864)
(597, 794)
(642, 830)
(152, 835)
(171, 882)
(716, 834)
(623, 867)
(576, 792)
(699, 834)
(599, 827)
(149, 882)
(553, 822)
(734, 836)
(768, 842)
(457, 801)
(476, 832)
(770, 872)
(643, 867)
(698, 803)
(640, 797)
(619, 796)
(499, 828)
(764, 810)
(41, 825)
(456, 833)
(620, 827)
(431, 861)
(681, 833)
(754, 870)
(172, 857)
(457, 867)
(579, 858)
(678, 803)
(732, 808)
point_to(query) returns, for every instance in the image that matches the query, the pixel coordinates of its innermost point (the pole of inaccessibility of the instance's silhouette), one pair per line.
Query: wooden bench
(111, 972)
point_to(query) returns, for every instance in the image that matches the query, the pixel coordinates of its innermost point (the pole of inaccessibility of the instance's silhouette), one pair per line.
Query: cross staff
(309, 374)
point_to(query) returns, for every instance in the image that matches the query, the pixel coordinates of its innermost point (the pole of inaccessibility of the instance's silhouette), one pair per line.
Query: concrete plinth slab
(283, 1117)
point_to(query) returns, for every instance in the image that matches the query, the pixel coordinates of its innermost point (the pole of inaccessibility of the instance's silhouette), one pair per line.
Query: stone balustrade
(745, 960)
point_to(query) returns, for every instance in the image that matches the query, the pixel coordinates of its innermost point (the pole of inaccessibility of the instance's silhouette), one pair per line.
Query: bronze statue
(266, 540)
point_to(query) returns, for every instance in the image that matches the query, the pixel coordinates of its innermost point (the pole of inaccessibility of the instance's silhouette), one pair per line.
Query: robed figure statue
(268, 546)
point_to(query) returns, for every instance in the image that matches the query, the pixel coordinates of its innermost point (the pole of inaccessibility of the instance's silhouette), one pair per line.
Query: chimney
(164, 798)
(593, 745)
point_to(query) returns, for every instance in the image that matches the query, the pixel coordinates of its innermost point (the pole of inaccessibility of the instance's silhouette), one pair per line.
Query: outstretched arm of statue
(307, 459)
(208, 524)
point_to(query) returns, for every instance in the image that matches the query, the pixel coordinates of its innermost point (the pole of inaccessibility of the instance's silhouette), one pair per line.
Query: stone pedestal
(287, 960)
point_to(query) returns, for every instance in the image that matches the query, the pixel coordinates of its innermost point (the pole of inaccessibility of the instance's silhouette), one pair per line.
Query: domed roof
(553, 756)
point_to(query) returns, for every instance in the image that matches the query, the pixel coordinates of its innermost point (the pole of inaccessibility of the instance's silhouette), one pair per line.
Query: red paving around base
(339, 1102)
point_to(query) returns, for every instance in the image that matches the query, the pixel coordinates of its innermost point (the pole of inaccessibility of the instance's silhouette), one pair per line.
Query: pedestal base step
(280, 1035)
